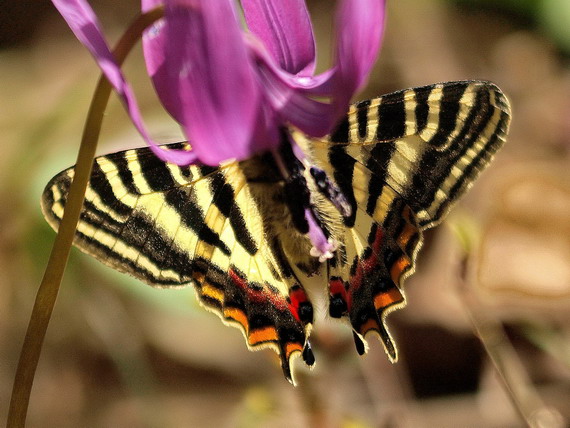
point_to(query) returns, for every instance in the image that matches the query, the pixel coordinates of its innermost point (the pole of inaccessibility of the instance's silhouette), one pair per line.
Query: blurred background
(121, 354)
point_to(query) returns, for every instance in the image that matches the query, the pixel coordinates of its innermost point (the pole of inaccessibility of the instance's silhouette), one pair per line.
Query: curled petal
(83, 22)
(285, 28)
(148, 5)
(290, 96)
(154, 48)
(209, 68)
(310, 116)
(360, 27)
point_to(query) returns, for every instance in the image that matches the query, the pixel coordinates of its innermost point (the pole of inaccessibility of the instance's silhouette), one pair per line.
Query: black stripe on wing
(448, 122)
(224, 199)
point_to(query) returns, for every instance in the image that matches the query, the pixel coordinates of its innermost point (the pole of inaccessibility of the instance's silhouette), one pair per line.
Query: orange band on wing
(406, 235)
(237, 315)
(397, 268)
(212, 292)
(198, 277)
(267, 334)
(371, 324)
(292, 347)
(383, 300)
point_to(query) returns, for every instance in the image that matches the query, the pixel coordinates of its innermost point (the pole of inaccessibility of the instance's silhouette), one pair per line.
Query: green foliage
(552, 17)
(519, 7)
(555, 18)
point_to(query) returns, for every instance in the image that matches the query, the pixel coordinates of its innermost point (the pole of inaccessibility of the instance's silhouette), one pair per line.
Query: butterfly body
(268, 190)
(237, 234)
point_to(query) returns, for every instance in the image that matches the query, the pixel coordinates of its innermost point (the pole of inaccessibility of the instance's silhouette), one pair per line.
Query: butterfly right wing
(169, 226)
(402, 160)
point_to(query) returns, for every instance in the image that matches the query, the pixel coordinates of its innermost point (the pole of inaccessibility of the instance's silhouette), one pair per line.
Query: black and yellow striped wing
(401, 160)
(169, 226)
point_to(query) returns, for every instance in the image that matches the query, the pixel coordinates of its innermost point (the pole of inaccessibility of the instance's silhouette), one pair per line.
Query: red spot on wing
(364, 267)
(258, 296)
(297, 297)
(377, 240)
(368, 264)
(336, 287)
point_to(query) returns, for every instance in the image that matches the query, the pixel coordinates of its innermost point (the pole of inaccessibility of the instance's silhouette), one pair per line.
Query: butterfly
(400, 160)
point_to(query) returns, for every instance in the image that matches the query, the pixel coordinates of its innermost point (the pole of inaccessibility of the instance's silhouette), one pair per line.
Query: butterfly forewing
(439, 139)
(400, 160)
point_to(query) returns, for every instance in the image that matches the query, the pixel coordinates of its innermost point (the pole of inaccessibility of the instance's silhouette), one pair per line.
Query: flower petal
(285, 28)
(84, 24)
(148, 5)
(287, 94)
(360, 27)
(154, 48)
(209, 68)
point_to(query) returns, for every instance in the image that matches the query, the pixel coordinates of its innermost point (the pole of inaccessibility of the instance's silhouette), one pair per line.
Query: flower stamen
(330, 191)
(299, 199)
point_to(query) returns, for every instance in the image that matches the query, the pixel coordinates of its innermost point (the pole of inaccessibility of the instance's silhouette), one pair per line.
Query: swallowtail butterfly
(401, 161)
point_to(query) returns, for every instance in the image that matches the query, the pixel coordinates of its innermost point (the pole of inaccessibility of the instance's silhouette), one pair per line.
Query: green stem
(49, 287)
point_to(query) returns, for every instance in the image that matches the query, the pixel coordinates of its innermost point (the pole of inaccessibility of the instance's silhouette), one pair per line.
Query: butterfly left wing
(402, 160)
(169, 226)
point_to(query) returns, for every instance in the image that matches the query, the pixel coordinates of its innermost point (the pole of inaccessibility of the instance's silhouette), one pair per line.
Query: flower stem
(49, 287)
(517, 384)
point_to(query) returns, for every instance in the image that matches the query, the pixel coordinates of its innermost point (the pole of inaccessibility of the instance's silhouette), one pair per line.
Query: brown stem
(514, 378)
(49, 287)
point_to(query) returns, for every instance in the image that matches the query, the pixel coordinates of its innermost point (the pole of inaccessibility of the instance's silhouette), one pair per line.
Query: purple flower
(235, 92)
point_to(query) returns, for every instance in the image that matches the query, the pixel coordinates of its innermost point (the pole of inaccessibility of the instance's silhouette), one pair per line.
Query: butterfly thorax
(281, 197)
